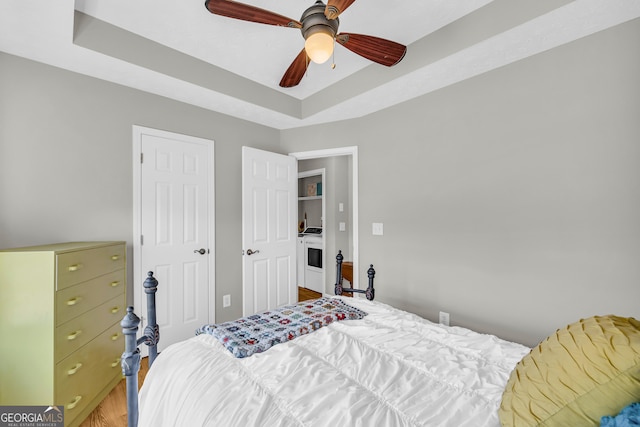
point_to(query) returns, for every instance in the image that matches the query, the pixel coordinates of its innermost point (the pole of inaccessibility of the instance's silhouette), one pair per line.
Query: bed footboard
(339, 289)
(131, 357)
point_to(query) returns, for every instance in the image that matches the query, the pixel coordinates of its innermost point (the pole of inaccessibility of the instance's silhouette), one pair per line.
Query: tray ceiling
(179, 50)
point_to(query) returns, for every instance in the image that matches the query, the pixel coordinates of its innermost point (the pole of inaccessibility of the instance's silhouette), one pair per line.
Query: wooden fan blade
(378, 50)
(336, 7)
(296, 70)
(245, 12)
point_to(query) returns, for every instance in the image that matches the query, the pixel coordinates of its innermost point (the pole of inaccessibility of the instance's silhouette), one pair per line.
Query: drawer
(82, 329)
(78, 299)
(82, 375)
(80, 266)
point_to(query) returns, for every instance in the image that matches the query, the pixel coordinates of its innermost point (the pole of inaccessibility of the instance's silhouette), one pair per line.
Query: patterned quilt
(259, 332)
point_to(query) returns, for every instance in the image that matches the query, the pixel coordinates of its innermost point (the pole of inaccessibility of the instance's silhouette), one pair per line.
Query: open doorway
(340, 218)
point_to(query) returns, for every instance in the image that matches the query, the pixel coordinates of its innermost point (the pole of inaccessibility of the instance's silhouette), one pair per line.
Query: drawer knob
(74, 369)
(73, 335)
(115, 363)
(115, 257)
(73, 301)
(74, 267)
(115, 336)
(115, 283)
(74, 402)
(114, 310)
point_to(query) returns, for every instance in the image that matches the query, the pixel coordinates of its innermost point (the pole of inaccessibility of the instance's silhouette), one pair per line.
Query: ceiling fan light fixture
(319, 46)
(319, 33)
(319, 27)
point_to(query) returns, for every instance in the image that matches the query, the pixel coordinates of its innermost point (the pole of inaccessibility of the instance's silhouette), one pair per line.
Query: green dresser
(60, 312)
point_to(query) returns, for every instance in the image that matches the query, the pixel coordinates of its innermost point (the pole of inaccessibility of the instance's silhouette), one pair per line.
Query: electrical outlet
(444, 318)
(226, 301)
(342, 226)
(377, 229)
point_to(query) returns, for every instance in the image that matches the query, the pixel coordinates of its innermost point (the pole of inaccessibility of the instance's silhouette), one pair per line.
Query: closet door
(176, 182)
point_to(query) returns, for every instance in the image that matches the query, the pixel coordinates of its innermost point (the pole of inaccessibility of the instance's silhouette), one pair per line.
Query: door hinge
(141, 157)
(141, 240)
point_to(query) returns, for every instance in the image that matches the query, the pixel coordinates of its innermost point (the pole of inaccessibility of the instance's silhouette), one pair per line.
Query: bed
(387, 368)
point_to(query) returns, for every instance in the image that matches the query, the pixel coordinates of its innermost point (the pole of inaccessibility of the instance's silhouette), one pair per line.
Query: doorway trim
(137, 291)
(336, 152)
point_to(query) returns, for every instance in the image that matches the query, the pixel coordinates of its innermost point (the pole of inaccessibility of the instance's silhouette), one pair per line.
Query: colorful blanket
(261, 331)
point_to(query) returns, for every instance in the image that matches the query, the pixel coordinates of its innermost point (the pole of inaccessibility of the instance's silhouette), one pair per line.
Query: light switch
(377, 229)
(341, 207)
(342, 226)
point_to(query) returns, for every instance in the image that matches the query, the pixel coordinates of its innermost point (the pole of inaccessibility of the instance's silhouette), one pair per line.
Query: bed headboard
(339, 289)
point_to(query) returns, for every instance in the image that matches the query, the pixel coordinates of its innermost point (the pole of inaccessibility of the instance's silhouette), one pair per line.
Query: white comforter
(391, 368)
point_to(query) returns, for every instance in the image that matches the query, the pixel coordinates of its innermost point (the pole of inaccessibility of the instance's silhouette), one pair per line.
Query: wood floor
(305, 294)
(112, 411)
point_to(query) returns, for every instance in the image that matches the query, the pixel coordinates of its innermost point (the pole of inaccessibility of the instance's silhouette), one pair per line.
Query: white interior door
(175, 216)
(269, 234)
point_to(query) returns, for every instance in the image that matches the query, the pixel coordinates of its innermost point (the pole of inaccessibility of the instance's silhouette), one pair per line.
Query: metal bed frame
(339, 289)
(131, 357)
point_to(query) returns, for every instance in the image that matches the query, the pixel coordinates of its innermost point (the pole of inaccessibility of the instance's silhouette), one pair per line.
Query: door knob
(201, 251)
(251, 252)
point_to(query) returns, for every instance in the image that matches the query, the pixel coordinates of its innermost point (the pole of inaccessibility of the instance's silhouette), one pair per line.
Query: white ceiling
(177, 49)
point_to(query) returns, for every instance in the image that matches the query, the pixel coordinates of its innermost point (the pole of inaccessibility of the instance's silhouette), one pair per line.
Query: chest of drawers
(60, 312)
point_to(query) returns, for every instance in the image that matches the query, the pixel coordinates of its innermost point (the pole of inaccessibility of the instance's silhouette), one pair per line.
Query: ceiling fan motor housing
(313, 20)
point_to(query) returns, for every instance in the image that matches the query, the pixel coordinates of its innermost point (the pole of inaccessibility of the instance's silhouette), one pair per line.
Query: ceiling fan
(319, 27)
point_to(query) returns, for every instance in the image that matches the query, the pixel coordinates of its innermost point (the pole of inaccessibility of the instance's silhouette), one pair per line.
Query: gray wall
(511, 200)
(66, 162)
